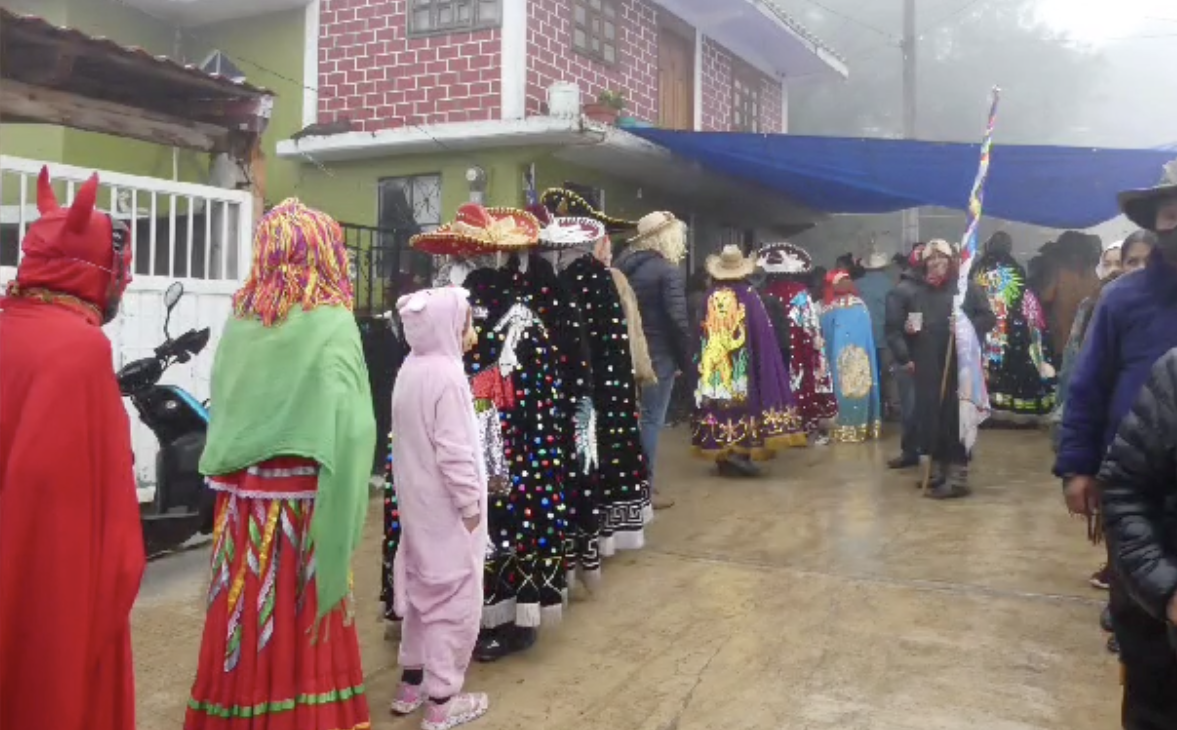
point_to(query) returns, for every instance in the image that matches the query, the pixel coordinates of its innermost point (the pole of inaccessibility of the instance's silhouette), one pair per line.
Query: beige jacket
(643, 369)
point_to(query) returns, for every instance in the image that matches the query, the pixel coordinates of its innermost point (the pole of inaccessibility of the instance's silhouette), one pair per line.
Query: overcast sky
(1098, 21)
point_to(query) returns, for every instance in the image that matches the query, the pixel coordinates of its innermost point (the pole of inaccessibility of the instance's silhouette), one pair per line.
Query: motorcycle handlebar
(146, 372)
(188, 344)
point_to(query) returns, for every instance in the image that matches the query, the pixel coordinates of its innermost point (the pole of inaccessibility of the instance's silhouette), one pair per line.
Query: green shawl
(300, 388)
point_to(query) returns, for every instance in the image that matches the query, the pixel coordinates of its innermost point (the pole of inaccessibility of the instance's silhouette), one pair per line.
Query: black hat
(1141, 205)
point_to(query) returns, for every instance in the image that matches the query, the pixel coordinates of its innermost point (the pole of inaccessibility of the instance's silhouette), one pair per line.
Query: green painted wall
(350, 191)
(269, 50)
(33, 140)
(88, 149)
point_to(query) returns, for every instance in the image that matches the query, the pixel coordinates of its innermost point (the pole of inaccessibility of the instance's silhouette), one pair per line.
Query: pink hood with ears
(434, 320)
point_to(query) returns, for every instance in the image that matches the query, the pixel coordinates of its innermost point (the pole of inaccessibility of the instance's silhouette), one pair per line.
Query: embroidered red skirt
(263, 665)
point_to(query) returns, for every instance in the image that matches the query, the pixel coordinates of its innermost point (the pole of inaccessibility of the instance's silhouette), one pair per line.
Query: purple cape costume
(743, 403)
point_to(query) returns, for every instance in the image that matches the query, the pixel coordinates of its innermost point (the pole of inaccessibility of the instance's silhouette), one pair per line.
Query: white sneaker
(460, 710)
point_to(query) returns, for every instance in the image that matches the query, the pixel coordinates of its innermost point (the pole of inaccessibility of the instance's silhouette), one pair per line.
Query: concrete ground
(827, 594)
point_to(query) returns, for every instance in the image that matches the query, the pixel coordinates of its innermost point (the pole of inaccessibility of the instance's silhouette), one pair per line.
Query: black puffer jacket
(1139, 492)
(660, 287)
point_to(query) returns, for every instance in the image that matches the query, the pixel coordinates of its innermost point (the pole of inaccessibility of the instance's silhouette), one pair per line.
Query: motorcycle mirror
(171, 297)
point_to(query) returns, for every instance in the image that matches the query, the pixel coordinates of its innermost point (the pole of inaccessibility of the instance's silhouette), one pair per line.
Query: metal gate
(195, 234)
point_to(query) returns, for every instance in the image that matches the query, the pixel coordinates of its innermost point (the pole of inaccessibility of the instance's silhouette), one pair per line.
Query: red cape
(71, 546)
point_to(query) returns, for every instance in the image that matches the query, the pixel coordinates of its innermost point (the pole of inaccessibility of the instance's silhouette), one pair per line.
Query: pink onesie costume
(439, 477)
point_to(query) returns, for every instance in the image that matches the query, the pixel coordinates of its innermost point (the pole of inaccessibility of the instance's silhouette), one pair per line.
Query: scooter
(182, 505)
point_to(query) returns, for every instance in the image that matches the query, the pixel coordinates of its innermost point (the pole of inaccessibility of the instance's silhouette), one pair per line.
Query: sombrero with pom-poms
(478, 231)
(568, 204)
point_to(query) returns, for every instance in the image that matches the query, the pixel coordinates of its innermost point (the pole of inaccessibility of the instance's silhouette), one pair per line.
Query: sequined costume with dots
(622, 475)
(514, 378)
(551, 299)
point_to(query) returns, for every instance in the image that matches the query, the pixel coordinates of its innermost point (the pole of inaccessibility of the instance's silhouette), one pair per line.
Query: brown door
(676, 86)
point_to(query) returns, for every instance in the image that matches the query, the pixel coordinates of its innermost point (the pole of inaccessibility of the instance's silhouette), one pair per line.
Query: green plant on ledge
(615, 100)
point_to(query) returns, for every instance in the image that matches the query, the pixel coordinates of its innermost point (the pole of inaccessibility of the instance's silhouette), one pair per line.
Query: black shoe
(502, 642)
(738, 467)
(1100, 578)
(947, 491)
(1105, 619)
(903, 461)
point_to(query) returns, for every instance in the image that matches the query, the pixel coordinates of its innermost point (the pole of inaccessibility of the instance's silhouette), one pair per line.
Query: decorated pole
(968, 244)
(970, 382)
(970, 374)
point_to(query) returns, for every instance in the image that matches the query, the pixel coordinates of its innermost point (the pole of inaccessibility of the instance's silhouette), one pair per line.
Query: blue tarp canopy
(1056, 187)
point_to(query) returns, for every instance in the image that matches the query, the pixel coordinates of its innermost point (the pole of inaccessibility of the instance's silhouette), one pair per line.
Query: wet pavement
(826, 594)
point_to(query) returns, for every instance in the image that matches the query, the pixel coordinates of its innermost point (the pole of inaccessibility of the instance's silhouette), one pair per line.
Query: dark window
(407, 206)
(443, 16)
(594, 28)
(745, 101)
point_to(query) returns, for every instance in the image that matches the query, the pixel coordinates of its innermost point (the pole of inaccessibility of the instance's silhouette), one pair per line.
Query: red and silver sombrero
(478, 231)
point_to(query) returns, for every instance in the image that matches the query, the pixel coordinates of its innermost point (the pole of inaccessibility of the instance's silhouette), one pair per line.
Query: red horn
(46, 198)
(83, 205)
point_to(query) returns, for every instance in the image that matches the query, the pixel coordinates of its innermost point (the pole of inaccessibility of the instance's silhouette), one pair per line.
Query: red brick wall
(371, 72)
(771, 106)
(717, 93)
(550, 57)
(717, 87)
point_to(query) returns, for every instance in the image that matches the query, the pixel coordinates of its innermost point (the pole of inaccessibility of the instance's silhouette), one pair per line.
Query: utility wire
(851, 19)
(970, 4)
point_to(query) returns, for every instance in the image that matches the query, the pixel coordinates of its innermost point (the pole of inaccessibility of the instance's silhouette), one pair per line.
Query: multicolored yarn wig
(298, 258)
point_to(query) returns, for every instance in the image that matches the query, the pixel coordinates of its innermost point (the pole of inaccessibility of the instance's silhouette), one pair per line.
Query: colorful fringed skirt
(263, 663)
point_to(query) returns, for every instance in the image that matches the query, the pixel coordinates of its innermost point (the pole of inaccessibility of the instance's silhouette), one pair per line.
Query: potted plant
(607, 108)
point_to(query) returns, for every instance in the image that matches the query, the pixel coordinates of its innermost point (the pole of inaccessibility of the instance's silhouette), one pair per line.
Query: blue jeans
(655, 402)
(906, 386)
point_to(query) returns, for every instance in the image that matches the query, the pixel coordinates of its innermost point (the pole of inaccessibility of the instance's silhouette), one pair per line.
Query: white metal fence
(195, 234)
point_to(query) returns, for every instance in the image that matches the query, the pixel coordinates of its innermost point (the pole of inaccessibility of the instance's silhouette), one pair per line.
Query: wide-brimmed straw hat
(478, 231)
(1140, 206)
(564, 203)
(730, 264)
(652, 224)
(784, 258)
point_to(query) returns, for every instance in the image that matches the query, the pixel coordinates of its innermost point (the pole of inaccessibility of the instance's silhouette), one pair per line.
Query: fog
(1073, 72)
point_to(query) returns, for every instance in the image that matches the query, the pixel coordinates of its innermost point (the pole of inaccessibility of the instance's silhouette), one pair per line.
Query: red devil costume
(71, 548)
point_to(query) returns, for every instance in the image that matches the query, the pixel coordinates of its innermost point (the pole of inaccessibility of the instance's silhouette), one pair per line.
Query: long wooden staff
(968, 250)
